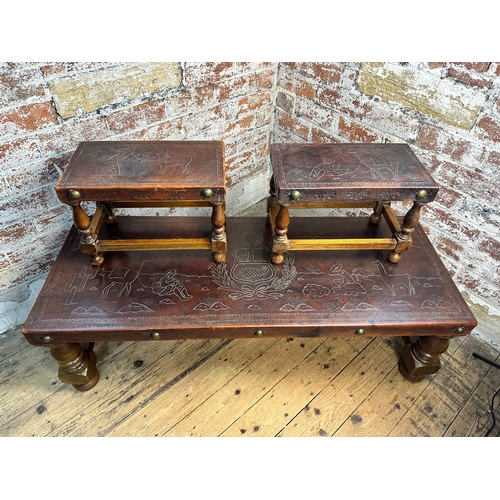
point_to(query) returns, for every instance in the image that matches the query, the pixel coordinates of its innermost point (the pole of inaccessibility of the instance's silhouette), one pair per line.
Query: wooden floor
(250, 387)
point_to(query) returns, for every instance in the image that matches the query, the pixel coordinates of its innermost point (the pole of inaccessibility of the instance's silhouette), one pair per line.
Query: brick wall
(449, 113)
(47, 108)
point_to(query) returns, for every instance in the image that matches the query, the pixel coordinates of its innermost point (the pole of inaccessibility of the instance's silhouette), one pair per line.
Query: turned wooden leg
(219, 240)
(421, 358)
(109, 215)
(280, 239)
(88, 238)
(403, 237)
(272, 204)
(376, 216)
(76, 365)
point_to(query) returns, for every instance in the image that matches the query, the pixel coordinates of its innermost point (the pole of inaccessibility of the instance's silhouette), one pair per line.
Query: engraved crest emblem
(252, 275)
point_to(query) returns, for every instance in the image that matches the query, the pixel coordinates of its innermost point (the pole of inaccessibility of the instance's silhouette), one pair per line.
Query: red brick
(67, 137)
(201, 74)
(476, 66)
(27, 118)
(469, 182)
(34, 175)
(11, 233)
(451, 247)
(236, 87)
(205, 96)
(355, 132)
(327, 73)
(435, 65)
(491, 246)
(448, 197)
(292, 124)
(18, 86)
(265, 79)
(241, 125)
(468, 79)
(341, 101)
(31, 269)
(320, 136)
(17, 152)
(489, 129)
(436, 139)
(53, 69)
(137, 116)
(24, 207)
(253, 102)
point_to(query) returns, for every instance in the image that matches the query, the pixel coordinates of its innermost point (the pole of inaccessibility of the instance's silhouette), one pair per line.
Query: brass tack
(74, 194)
(207, 193)
(360, 331)
(295, 195)
(258, 333)
(421, 194)
(460, 330)
(155, 335)
(46, 339)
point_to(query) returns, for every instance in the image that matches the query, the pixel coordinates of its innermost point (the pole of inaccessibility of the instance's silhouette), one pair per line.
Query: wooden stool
(127, 174)
(347, 176)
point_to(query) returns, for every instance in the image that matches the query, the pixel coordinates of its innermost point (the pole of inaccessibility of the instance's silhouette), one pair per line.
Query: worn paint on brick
(94, 90)
(449, 102)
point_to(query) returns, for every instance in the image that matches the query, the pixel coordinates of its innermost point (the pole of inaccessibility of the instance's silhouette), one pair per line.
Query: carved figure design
(328, 167)
(395, 280)
(169, 162)
(168, 284)
(77, 283)
(120, 278)
(380, 167)
(343, 282)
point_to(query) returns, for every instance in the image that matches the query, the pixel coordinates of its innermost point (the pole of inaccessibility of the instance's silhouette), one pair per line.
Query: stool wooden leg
(76, 365)
(376, 216)
(403, 237)
(88, 238)
(272, 204)
(109, 215)
(421, 358)
(219, 240)
(280, 239)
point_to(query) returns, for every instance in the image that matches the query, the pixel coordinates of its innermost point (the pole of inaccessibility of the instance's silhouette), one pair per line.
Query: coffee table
(152, 295)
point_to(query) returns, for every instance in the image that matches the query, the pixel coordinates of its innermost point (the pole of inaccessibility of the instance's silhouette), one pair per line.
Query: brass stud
(421, 194)
(74, 194)
(360, 331)
(155, 335)
(46, 339)
(258, 333)
(207, 193)
(459, 330)
(295, 195)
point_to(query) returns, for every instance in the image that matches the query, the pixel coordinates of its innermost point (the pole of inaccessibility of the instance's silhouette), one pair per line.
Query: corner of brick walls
(47, 108)
(449, 114)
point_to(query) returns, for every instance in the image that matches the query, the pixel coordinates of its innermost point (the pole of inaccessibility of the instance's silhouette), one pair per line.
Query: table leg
(280, 239)
(76, 365)
(421, 358)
